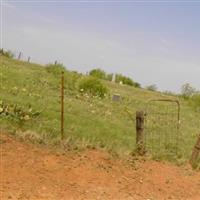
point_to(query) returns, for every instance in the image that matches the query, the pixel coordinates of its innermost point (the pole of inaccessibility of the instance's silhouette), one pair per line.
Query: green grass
(89, 121)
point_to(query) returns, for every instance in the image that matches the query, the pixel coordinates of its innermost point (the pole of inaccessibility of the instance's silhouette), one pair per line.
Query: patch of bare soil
(29, 172)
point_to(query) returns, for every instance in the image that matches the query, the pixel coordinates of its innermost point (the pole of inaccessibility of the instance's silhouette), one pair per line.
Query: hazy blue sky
(154, 42)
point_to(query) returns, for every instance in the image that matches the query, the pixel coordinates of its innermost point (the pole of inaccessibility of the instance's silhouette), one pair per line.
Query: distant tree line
(188, 92)
(118, 78)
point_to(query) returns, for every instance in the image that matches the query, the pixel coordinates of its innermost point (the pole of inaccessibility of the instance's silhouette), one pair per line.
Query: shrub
(8, 54)
(109, 77)
(152, 87)
(71, 80)
(169, 93)
(93, 86)
(125, 80)
(98, 73)
(17, 113)
(55, 69)
(138, 85)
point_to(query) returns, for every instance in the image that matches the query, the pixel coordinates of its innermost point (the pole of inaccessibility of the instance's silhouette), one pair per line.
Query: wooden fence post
(20, 55)
(62, 105)
(196, 152)
(140, 144)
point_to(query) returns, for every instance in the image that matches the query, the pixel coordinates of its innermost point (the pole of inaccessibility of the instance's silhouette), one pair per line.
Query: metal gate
(162, 124)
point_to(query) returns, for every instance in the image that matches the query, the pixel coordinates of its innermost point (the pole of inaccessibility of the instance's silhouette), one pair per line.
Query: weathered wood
(140, 143)
(196, 152)
(20, 55)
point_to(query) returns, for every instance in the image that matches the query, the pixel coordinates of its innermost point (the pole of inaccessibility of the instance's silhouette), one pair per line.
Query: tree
(125, 80)
(98, 73)
(187, 90)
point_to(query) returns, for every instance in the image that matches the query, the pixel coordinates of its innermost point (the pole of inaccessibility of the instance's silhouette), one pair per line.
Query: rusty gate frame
(177, 102)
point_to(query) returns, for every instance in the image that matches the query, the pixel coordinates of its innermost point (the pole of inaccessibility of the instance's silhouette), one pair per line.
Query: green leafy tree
(187, 90)
(98, 73)
(125, 80)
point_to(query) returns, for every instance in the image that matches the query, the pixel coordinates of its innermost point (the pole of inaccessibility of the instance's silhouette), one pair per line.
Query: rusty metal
(169, 100)
(162, 124)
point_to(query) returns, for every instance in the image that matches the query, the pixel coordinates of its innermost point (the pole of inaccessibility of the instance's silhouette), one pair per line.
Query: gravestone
(113, 78)
(116, 97)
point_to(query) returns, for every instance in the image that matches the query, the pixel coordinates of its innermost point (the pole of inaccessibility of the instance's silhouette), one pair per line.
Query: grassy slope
(88, 121)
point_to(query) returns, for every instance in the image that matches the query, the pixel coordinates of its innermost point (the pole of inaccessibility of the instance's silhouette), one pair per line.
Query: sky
(153, 42)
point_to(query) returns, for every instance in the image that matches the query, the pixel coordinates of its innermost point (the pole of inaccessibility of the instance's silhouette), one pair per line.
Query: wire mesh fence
(31, 100)
(162, 124)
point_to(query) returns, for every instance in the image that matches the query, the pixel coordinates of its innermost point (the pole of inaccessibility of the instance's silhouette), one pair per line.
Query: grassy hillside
(88, 121)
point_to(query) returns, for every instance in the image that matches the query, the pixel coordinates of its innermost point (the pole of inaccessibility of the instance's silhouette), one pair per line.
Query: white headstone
(113, 78)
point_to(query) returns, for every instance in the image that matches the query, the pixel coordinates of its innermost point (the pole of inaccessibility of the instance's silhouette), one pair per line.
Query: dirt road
(29, 172)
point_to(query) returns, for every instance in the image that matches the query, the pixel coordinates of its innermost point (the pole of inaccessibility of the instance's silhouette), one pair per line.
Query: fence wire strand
(162, 127)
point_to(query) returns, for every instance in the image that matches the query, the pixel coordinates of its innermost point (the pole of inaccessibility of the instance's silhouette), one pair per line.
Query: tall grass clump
(71, 80)
(195, 102)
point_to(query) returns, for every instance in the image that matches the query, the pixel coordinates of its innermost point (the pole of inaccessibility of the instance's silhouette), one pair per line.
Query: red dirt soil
(30, 172)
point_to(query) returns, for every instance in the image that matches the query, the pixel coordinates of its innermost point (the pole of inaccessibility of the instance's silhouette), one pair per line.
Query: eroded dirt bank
(36, 173)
